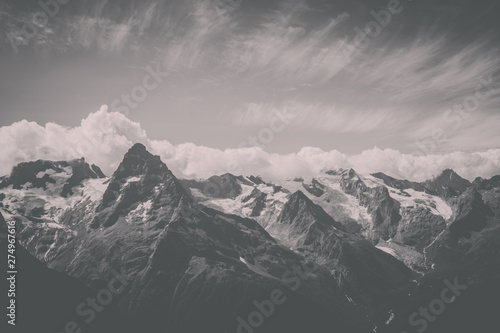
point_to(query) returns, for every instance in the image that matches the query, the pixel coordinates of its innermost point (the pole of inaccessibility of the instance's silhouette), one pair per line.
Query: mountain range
(342, 251)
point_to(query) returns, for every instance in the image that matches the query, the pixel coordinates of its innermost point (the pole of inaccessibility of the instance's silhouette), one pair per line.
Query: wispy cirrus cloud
(199, 38)
(103, 34)
(426, 68)
(153, 25)
(281, 48)
(317, 116)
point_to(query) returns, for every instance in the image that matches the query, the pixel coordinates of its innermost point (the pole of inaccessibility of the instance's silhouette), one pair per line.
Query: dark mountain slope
(365, 273)
(47, 300)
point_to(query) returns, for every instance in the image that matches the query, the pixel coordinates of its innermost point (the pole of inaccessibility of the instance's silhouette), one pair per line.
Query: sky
(262, 87)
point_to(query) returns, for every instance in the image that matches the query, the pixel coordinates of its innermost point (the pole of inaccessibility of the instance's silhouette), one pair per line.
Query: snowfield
(411, 198)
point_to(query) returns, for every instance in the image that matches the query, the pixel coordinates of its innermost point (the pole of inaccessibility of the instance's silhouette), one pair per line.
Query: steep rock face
(195, 269)
(98, 171)
(258, 204)
(383, 209)
(364, 272)
(490, 192)
(471, 216)
(140, 175)
(487, 184)
(256, 180)
(199, 272)
(413, 215)
(351, 183)
(398, 183)
(418, 227)
(315, 188)
(448, 184)
(300, 208)
(81, 172)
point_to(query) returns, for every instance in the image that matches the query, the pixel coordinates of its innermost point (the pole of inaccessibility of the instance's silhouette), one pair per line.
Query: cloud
(281, 47)
(426, 68)
(200, 33)
(103, 34)
(317, 116)
(174, 31)
(104, 137)
(263, 61)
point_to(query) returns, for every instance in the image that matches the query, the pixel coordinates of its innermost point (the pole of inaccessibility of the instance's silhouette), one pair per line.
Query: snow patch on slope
(387, 250)
(411, 198)
(140, 213)
(94, 189)
(230, 206)
(351, 204)
(50, 200)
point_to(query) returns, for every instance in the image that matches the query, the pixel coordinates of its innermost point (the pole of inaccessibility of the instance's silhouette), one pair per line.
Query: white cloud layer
(104, 137)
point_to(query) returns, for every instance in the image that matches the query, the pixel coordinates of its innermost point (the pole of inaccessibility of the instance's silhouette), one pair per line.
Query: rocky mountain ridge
(188, 245)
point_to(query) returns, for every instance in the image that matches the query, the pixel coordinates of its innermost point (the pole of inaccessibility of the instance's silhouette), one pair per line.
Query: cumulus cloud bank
(104, 137)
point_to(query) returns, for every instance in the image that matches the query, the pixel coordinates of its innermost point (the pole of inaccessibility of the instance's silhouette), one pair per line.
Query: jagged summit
(351, 181)
(450, 176)
(140, 178)
(257, 179)
(223, 187)
(298, 196)
(298, 200)
(398, 183)
(333, 172)
(98, 171)
(447, 184)
(138, 147)
(349, 173)
(299, 209)
(448, 173)
(138, 161)
(487, 184)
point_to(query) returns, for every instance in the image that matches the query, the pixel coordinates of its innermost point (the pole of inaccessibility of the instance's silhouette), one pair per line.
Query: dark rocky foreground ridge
(46, 299)
(199, 254)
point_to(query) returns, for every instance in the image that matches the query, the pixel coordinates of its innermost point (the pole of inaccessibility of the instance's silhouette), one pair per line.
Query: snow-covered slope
(43, 191)
(360, 202)
(411, 198)
(255, 199)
